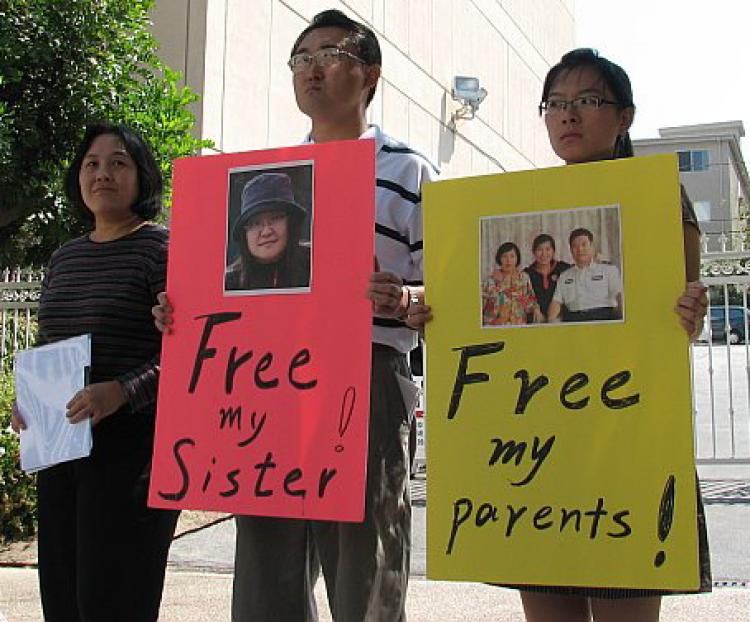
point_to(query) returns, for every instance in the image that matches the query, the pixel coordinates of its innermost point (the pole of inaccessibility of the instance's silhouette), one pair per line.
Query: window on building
(693, 160)
(684, 157)
(702, 210)
(700, 160)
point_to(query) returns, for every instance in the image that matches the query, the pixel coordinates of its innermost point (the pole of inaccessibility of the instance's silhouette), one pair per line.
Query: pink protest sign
(265, 383)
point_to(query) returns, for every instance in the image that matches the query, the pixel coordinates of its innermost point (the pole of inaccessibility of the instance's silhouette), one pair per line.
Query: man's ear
(372, 75)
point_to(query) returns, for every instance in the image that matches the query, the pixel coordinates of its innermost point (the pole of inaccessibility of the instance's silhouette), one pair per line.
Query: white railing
(735, 241)
(20, 289)
(721, 364)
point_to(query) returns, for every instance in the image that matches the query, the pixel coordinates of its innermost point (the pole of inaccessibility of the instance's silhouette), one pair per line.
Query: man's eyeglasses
(265, 220)
(584, 104)
(322, 58)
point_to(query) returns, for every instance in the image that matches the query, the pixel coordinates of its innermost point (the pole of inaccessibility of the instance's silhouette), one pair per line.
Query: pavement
(199, 575)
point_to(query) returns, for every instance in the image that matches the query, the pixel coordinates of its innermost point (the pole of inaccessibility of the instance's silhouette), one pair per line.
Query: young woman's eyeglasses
(265, 220)
(322, 58)
(584, 104)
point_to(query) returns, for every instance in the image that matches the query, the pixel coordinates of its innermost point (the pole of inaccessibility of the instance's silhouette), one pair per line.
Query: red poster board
(264, 392)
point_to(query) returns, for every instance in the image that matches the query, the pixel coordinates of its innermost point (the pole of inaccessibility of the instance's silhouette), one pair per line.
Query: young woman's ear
(626, 119)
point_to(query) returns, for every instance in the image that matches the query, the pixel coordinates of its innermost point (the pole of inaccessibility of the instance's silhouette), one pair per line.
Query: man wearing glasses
(335, 65)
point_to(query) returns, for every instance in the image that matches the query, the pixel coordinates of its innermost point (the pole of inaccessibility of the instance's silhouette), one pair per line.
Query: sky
(688, 61)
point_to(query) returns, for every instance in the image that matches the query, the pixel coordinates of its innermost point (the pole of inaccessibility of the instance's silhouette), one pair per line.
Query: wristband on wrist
(405, 300)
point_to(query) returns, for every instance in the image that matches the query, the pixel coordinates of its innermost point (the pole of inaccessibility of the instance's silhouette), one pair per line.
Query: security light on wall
(467, 91)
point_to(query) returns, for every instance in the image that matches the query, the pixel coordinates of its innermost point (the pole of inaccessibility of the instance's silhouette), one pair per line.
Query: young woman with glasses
(587, 105)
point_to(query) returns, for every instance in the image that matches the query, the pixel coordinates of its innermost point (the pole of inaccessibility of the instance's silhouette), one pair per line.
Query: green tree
(64, 64)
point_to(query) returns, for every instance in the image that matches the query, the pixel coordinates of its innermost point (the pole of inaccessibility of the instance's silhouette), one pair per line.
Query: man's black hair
(577, 233)
(148, 203)
(361, 37)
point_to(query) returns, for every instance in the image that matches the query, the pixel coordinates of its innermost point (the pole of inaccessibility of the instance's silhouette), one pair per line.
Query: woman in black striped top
(102, 552)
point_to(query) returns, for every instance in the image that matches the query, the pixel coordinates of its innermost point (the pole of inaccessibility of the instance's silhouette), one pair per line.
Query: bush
(17, 489)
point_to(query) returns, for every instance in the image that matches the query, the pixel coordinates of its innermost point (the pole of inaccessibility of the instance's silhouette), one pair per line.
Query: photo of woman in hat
(267, 233)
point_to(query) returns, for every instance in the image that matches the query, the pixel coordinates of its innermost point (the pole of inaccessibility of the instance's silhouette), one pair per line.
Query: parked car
(739, 317)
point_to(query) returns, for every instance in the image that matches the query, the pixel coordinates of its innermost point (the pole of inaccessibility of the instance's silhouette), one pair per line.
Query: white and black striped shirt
(400, 173)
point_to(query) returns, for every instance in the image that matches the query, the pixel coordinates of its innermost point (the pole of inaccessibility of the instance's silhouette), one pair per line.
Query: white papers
(47, 377)
(410, 392)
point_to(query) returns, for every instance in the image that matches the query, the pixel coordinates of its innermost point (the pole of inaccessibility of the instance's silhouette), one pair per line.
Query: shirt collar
(585, 268)
(372, 131)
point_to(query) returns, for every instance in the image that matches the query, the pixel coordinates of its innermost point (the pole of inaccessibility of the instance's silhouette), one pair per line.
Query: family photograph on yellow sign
(579, 282)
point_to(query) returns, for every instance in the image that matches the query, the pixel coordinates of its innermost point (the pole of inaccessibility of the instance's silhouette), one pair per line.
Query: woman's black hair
(360, 36)
(613, 76)
(291, 270)
(541, 239)
(148, 203)
(506, 247)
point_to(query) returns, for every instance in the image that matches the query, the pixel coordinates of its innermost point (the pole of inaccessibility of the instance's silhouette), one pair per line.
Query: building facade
(233, 53)
(714, 174)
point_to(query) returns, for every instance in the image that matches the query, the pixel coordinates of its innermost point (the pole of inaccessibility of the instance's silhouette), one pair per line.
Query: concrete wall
(180, 28)
(701, 185)
(234, 53)
(720, 184)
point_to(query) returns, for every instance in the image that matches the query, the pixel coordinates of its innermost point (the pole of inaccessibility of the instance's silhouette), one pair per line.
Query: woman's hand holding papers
(96, 401)
(16, 420)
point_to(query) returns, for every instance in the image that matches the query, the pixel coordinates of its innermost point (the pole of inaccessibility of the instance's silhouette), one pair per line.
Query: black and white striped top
(107, 289)
(400, 173)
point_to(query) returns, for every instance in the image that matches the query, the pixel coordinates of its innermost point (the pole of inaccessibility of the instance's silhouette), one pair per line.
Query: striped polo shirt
(400, 173)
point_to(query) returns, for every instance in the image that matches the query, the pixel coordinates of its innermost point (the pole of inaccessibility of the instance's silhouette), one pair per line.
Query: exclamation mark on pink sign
(347, 409)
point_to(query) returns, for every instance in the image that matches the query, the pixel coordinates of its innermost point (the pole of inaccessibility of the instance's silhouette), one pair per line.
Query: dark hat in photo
(263, 193)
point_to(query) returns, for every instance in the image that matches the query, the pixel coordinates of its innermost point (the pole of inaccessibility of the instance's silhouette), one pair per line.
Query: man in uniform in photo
(588, 291)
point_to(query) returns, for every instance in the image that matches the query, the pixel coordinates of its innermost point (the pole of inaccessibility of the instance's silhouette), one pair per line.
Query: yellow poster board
(559, 453)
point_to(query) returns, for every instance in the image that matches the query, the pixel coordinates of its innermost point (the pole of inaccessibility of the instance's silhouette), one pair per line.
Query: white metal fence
(20, 289)
(721, 363)
(721, 358)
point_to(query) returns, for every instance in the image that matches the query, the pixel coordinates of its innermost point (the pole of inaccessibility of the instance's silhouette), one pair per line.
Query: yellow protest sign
(560, 445)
